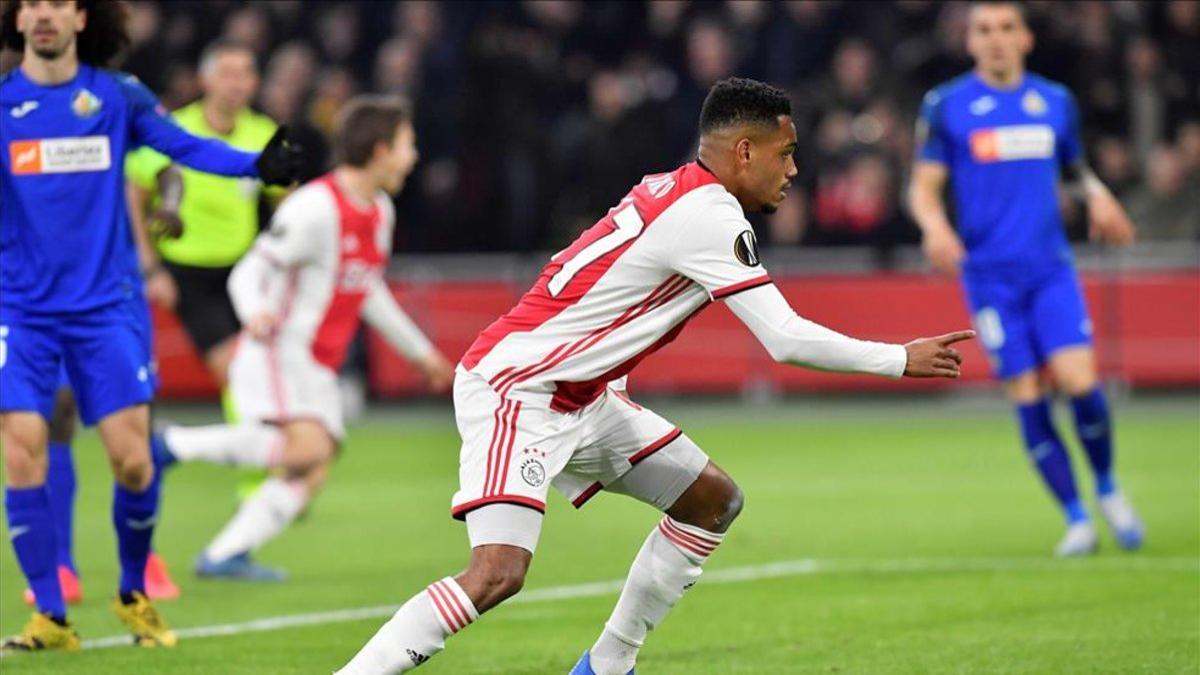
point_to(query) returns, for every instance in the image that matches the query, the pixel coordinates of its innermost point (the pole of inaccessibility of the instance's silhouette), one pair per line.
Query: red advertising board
(1147, 326)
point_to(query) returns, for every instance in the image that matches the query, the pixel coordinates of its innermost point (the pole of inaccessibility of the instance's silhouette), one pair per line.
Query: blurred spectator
(603, 152)
(398, 66)
(857, 205)
(1189, 150)
(1147, 105)
(799, 41)
(1114, 165)
(786, 227)
(710, 58)
(283, 97)
(1166, 206)
(249, 26)
(335, 86)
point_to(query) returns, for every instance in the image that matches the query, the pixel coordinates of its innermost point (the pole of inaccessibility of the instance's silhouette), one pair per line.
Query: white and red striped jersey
(622, 290)
(328, 252)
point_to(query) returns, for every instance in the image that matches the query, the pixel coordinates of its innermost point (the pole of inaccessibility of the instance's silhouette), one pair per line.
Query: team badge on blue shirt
(1033, 103)
(85, 104)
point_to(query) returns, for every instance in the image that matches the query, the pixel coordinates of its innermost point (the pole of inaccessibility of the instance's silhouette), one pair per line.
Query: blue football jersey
(65, 240)
(1004, 150)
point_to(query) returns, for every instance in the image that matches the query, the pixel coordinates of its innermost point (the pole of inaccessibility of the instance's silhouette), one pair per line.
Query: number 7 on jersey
(627, 225)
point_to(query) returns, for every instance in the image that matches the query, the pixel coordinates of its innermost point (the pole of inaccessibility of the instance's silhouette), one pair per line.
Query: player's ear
(80, 19)
(742, 150)
(382, 148)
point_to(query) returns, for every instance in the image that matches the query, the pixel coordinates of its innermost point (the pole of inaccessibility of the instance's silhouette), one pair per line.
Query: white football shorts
(513, 451)
(280, 381)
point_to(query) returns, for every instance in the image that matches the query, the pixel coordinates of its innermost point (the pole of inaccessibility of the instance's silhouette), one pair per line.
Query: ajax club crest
(533, 472)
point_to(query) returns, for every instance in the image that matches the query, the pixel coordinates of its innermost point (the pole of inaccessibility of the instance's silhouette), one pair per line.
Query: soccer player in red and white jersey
(301, 293)
(538, 402)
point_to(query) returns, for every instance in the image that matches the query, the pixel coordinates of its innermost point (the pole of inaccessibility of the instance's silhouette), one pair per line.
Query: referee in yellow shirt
(219, 215)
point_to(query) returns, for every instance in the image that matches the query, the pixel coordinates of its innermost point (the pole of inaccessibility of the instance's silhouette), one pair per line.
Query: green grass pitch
(910, 536)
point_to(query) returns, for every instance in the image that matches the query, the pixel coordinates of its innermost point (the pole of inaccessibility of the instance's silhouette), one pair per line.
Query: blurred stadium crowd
(535, 117)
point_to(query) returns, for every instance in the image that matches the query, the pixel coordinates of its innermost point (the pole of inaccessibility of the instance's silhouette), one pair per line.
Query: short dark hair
(1022, 10)
(742, 101)
(105, 36)
(366, 121)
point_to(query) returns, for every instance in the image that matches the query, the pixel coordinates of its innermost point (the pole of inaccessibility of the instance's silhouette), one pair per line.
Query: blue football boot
(239, 568)
(584, 666)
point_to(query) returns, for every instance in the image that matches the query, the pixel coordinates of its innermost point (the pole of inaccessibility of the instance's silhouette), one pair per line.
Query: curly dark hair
(102, 40)
(742, 101)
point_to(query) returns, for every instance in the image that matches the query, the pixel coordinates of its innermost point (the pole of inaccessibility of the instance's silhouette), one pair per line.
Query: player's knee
(62, 420)
(308, 447)
(24, 450)
(133, 473)
(1076, 383)
(731, 506)
(712, 503)
(21, 465)
(1024, 388)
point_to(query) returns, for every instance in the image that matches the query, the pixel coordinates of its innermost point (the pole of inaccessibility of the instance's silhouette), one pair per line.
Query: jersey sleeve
(151, 125)
(142, 167)
(933, 143)
(1070, 144)
(717, 249)
(387, 233)
(298, 229)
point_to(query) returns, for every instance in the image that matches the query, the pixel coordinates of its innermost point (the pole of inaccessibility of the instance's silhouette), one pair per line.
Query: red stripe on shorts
(655, 446)
(512, 437)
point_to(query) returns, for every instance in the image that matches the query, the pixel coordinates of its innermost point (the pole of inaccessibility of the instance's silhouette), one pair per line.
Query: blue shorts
(105, 354)
(141, 310)
(1022, 318)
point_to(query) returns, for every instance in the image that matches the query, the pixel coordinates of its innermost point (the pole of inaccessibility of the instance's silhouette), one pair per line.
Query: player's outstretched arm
(385, 315)
(278, 164)
(792, 339)
(934, 356)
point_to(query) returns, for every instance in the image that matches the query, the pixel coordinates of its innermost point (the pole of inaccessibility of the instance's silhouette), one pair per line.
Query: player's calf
(419, 629)
(495, 574)
(306, 457)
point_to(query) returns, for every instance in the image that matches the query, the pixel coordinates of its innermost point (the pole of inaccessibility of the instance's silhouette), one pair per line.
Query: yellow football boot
(143, 620)
(42, 633)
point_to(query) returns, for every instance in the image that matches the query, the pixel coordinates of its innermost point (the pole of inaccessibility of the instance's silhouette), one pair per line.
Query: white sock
(258, 445)
(260, 518)
(416, 632)
(668, 564)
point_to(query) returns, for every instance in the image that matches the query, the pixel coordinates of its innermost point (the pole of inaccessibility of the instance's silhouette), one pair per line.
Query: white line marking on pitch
(730, 575)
